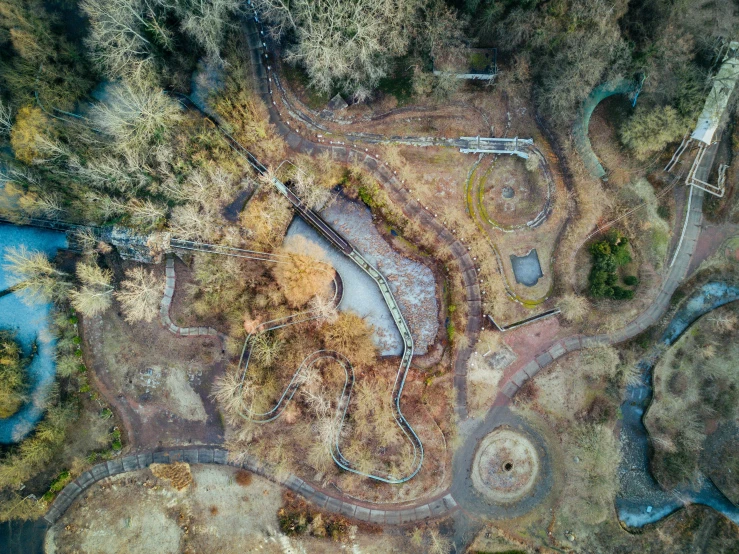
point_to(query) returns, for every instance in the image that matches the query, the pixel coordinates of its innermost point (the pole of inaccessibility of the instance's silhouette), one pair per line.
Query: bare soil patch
(162, 380)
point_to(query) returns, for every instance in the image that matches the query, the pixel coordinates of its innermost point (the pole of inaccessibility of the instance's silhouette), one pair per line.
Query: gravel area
(412, 282)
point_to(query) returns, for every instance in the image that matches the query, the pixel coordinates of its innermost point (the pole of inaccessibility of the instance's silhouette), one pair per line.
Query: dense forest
(95, 137)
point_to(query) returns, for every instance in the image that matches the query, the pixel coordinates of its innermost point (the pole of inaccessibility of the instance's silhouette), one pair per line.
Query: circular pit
(506, 466)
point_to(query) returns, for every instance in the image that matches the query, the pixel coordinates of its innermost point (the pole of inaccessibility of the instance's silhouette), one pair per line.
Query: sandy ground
(136, 513)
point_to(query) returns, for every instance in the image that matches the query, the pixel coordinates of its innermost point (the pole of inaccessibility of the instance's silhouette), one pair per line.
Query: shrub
(243, 478)
(631, 280)
(13, 381)
(649, 131)
(607, 256)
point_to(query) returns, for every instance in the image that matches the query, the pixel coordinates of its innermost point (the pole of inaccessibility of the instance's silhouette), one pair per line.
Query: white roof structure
(718, 98)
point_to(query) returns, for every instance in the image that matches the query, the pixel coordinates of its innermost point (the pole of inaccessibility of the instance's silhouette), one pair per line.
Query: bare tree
(206, 21)
(121, 35)
(140, 294)
(347, 43)
(34, 275)
(6, 119)
(324, 309)
(573, 307)
(305, 275)
(134, 113)
(96, 293)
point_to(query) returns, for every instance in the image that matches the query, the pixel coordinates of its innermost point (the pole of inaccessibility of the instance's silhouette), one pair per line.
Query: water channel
(29, 322)
(641, 500)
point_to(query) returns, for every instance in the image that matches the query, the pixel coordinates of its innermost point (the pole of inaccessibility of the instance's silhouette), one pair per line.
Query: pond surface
(411, 282)
(641, 500)
(527, 269)
(30, 324)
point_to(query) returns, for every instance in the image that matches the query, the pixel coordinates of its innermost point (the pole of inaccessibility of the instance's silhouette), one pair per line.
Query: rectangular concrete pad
(220, 457)
(99, 471)
(509, 389)
(556, 351)
(392, 517)
(377, 516)
(115, 467)
(319, 499)
(333, 505)
(348, 509)
(437, 507)
(450, 502)
(544, 359)
(205, 456)
(190, 456)
(531, 368)
(423, 512)
(145, 459)
(160, 457)
(362, 514)
(519, 378)
(572, 344)
(85, 480)
(130, 463)
(407, 515)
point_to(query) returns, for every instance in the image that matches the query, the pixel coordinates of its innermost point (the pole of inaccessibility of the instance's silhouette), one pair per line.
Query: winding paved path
(460, 493)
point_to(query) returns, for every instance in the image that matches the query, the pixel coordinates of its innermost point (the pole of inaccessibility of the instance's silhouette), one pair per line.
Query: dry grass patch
(177, 474)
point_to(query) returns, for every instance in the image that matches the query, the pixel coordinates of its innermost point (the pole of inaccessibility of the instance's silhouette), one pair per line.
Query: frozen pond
(411, 282)
(527, 269)
(30, 324)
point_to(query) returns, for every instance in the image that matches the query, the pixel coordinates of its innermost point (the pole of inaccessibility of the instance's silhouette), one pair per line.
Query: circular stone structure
(506, 466)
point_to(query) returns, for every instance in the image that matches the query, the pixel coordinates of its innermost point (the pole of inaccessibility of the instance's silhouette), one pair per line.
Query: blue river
(30, 323)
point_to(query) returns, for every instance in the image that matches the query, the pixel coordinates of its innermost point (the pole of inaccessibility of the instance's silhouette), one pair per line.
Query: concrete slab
(348, 509)
(509, 389)
(557, 350)
(544, 359)
(392, 517)
(407, 516)
(519, 378)
(531, 368)
(423, 512)
(377, 516)
(362, 514)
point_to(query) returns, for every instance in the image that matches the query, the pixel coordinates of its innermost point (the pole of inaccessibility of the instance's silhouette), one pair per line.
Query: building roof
(717, 100)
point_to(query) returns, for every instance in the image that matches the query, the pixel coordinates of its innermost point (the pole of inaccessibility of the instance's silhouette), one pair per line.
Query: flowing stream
(641, 500)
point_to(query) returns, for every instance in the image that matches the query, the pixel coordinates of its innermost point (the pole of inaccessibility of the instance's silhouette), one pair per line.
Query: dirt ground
(160, 382)
(136, 513)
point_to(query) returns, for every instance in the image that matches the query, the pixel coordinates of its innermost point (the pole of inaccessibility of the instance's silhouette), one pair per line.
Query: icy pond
(411, 282)
(30, 324)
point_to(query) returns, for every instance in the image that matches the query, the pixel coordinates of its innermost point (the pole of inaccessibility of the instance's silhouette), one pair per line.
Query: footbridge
(483, 145)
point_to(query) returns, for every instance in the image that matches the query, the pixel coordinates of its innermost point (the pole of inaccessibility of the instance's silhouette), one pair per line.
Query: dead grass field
(137, 513)
(693, 419)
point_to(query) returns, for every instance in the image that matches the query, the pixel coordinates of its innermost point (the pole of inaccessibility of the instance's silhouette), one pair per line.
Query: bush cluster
(608, 256)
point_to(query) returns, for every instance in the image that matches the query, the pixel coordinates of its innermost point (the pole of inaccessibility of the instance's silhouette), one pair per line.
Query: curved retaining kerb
(438, 507)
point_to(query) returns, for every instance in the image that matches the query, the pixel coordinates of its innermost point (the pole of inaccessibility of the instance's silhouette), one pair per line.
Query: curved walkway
(166, 303)
(580, 129)
(399, 195)
(439, 506)
(497, 416)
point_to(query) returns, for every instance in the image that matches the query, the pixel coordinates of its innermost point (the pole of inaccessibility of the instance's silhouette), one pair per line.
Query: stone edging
(166, 303)
(438, 507)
